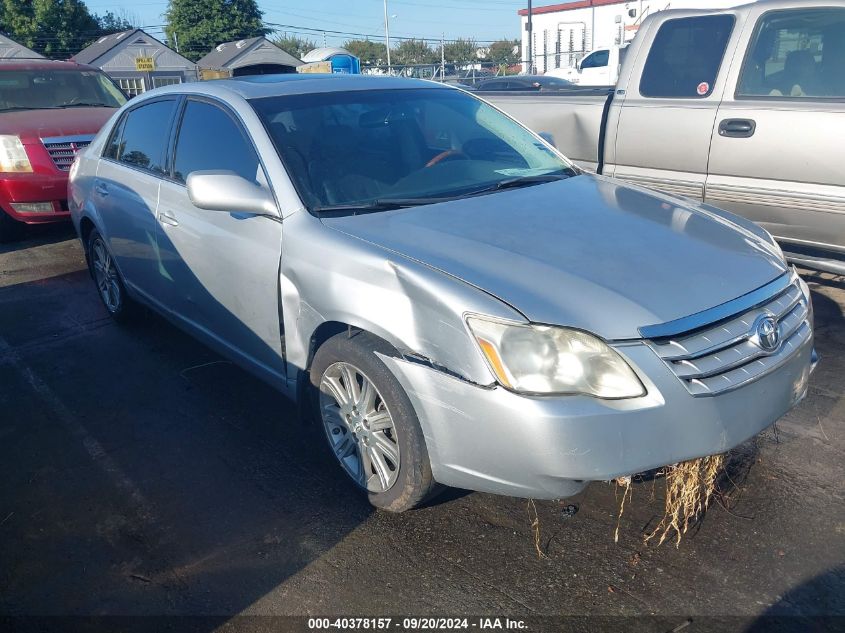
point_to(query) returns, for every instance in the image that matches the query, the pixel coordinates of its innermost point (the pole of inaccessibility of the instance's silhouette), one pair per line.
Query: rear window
(685, 57)
(796, 54)
(144, 134)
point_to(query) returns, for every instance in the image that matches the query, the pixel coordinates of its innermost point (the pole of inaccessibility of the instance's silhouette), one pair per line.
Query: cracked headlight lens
(541, 359)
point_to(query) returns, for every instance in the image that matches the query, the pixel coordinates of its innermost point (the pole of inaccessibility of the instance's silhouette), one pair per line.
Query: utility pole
(443, 57)
(176, 40)
(530, 30)
(387, 36)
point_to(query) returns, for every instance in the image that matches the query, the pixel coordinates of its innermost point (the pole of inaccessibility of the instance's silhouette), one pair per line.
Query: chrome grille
(725, 355)
(64, 149)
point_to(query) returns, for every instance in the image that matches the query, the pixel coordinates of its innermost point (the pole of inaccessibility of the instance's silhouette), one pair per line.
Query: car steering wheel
(444, 155)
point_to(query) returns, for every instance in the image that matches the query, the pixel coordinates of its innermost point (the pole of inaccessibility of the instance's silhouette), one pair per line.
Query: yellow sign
(145, 64)
(315, 67)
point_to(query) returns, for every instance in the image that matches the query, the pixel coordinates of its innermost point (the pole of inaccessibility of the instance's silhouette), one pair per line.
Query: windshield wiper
(19, 108)
(84, 105)
(384, 204)
(519, 181)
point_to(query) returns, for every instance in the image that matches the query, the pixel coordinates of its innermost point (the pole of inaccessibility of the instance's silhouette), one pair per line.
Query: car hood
(586, 252)
(32, 125)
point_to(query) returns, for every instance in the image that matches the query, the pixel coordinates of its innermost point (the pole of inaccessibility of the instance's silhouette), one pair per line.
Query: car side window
(799, 53)
(113, 146)
(685, 57)
(210, 139)
(144, 136)
(598, 59)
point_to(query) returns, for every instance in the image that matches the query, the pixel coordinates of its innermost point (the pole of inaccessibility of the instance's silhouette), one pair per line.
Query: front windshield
(43, 89)
(362, 147)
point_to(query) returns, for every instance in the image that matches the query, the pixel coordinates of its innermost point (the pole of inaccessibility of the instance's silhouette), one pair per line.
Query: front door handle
(167, 217)
(737, 128)
(101, 189)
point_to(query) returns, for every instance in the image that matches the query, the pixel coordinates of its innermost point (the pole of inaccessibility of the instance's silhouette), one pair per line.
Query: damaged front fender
(327, 276)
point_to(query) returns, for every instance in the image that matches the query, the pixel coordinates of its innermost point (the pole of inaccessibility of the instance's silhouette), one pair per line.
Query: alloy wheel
(359, 427)
(105, 275)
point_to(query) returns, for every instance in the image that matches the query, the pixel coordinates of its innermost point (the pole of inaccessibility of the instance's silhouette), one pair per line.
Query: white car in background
(599, 68)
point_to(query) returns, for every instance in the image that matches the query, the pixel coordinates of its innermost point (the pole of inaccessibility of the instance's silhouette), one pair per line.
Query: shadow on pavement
(142, 474)
(40, 234)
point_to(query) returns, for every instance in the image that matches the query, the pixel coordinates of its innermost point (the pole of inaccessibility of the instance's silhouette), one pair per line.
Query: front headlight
(13, 158)
(541, 359)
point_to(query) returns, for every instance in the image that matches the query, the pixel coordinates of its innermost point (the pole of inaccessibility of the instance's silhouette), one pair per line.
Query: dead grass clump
(534, 517)
(689, 489)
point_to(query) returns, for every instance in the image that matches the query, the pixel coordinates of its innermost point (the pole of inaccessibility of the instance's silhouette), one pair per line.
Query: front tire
(369, 424)
(107, 278)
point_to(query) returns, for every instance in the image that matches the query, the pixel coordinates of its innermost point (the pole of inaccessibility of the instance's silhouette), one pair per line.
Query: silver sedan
(452, 299)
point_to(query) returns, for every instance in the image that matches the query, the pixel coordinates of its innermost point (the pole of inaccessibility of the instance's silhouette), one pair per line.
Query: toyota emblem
(768, 333)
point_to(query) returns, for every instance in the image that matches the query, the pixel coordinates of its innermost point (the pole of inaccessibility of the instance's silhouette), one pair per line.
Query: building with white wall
(564, 33)
(137, 61)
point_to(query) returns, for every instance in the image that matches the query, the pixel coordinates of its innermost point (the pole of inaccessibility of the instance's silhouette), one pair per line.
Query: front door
(777, 153)
(220, 270)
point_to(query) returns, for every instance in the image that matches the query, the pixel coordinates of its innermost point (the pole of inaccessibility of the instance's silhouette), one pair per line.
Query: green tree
(55, 28)
(460, 51)
(370, 53)
(295, 46)
(414, 52)
(504, 52)
(197, 26)
(111, 23)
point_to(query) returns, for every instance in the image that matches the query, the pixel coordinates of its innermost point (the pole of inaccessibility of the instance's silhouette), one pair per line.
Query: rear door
(665, 122)
(127, 186)
(777, 155)
(220, 270)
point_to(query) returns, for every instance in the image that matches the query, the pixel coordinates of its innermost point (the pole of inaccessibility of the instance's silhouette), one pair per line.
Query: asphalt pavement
(141, 474)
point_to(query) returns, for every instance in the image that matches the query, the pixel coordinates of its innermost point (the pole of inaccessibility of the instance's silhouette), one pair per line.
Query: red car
(49, 110)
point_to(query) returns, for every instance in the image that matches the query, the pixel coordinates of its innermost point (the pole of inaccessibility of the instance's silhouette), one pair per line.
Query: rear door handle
(737, 128)
(167, 217)
(101, 189)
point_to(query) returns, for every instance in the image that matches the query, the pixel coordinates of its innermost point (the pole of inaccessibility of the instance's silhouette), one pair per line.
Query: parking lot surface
(140, 474)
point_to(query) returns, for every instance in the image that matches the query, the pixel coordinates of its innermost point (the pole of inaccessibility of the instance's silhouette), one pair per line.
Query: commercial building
(564, 33)
(137, 61)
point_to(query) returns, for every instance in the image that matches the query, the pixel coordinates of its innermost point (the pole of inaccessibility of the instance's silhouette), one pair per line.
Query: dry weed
(535, 527)
(689, 490)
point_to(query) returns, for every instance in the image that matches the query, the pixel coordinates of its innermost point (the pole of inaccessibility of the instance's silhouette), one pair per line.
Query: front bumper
(35, 188)
(493, 440)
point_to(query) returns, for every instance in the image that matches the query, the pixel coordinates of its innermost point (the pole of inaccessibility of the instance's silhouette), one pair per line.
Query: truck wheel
(369, 424)
(109, 284)
(10, 229)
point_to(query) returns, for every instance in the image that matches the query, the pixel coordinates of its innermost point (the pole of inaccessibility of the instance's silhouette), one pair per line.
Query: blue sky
(482, 19)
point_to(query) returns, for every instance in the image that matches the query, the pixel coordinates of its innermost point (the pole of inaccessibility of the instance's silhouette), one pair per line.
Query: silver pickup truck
(740, 108)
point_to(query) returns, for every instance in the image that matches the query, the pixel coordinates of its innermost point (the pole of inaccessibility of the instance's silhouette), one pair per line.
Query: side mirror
(226, 191)
(578, 65)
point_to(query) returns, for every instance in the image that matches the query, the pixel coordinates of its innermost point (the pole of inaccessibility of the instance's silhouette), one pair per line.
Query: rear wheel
(10, 229)
(109, 284)
(369, 424)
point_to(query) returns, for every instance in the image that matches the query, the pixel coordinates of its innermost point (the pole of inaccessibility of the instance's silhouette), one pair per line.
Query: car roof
(35, 63)
(258, 86)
